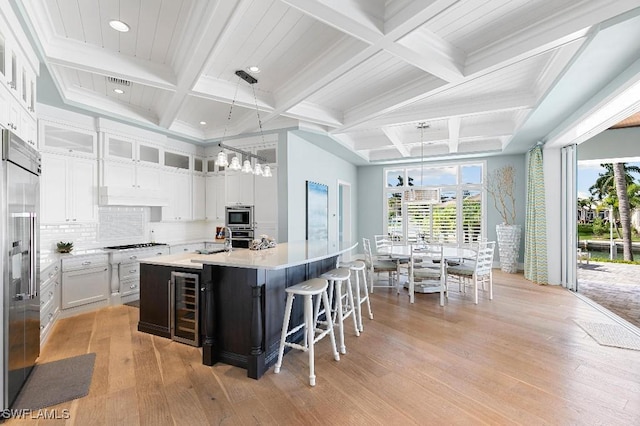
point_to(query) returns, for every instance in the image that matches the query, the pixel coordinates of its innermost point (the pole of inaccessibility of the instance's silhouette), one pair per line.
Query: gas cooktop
(134, 246)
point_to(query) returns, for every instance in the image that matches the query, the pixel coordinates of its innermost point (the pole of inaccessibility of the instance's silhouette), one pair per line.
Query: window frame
(459, 188)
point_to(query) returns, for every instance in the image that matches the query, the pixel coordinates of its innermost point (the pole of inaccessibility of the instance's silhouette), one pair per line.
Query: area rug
(56, 382)
(611, 335)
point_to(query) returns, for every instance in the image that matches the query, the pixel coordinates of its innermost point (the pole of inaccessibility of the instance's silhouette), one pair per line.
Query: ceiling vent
(119, 81)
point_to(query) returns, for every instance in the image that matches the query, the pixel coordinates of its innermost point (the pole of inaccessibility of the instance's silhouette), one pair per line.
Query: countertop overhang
(284, 255)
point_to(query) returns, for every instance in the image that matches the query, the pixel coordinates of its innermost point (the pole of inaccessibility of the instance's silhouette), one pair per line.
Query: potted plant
(64, 247)
(501, 186)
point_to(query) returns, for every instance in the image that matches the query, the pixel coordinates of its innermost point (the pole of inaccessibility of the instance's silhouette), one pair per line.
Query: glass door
(185, 295)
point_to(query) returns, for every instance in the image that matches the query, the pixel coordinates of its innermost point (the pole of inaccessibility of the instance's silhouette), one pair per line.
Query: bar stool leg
(366, 295)
(353, 307)
(325, 301)
(358, 299)
(339, 317)
(285, 327)
(310, 332)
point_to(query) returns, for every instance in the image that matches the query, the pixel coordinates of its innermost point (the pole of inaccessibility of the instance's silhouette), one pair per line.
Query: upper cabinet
(18, 70)
(123, 149)
(63, 139)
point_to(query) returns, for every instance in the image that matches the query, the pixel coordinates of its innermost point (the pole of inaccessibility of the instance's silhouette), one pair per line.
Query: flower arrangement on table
(264, 242)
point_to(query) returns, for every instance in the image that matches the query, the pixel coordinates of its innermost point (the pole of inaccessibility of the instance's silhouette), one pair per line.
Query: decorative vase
(509, 246)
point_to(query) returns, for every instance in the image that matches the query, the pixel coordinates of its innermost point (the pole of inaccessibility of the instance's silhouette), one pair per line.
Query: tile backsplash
(122, 225)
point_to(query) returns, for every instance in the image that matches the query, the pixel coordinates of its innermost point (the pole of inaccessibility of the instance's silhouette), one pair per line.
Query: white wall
(306, 161)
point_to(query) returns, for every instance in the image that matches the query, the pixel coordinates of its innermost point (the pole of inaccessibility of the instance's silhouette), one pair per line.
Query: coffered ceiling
(364, 71)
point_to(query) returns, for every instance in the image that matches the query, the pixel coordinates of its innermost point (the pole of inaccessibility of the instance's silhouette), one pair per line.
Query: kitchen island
(243, 297)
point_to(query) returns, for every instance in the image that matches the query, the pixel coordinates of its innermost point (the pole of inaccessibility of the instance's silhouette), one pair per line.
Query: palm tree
(623, 209)
(613, 185)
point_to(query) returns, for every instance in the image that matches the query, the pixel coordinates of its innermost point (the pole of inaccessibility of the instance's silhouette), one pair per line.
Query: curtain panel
(535, 243)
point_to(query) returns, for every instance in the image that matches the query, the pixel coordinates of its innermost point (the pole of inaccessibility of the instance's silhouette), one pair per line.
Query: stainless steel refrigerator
(19, 262)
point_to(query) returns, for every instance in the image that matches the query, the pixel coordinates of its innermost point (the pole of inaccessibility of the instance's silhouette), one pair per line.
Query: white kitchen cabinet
(18, 66)
(118, 148)
(215, 198)
(50, 290)
(199, 197)
(186, 248)
(178, 188)
(61, 139)
(68, 189)
(265, 211)
(85, 279)
(130, 175)
(239, 188)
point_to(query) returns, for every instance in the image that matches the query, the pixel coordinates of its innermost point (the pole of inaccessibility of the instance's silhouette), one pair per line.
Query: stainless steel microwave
(239, 217)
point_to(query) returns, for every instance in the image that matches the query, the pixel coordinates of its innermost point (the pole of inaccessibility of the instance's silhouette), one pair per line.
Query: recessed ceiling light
(119, 26)
(254, 69)
(118, 91)
(203, 123)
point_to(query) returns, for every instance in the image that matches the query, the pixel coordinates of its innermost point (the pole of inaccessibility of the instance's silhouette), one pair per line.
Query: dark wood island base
(244, 309)
(241, 299)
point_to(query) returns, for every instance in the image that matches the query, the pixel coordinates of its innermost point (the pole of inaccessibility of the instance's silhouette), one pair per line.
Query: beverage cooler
(185, 305)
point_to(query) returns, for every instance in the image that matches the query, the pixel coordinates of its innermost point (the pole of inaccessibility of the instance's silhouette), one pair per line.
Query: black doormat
(56, 382)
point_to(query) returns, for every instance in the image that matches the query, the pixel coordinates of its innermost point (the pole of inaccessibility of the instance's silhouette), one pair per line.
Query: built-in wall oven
(239, 217)
(241, 238)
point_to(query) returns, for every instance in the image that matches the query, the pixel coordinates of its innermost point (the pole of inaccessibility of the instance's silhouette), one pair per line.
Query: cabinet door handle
(133, 257)
(85, 263)
(132, 271)
(132, 286)
(158, 254)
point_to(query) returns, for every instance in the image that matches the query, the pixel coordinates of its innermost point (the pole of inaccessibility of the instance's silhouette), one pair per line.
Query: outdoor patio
(615, 286)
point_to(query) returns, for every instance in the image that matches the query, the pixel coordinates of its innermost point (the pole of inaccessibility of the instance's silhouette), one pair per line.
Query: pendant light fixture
(246, 167)
(412, 194)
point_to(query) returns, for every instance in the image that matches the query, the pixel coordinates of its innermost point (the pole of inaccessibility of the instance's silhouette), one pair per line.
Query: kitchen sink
(205, 251)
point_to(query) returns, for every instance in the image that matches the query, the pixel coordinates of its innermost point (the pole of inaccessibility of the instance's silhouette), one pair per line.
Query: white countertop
(282, 256)
(180, 260)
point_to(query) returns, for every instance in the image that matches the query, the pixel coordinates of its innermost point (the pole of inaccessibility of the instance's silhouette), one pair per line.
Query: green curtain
(535, 239)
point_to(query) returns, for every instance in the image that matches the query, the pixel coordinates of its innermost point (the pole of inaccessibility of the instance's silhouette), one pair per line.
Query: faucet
(228, 239)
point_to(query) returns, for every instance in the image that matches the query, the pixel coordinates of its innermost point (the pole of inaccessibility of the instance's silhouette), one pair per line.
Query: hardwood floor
(519, 359)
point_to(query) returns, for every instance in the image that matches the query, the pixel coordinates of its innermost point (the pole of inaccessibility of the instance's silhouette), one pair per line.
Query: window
(435, 203)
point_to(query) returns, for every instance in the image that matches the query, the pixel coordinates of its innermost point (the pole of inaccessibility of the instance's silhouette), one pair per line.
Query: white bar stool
(358, 267)
(344, 305)
(307, 289)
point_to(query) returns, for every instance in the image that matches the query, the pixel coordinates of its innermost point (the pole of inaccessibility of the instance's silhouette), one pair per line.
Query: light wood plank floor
(519, 359)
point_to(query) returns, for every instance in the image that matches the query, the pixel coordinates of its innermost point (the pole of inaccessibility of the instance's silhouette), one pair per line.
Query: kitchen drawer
(48, 274)
(47, 295)
(186, 248)
(129, 286)
(88, 261)
(129, 270)
(84, 286)
(128, 256)
(47, 317)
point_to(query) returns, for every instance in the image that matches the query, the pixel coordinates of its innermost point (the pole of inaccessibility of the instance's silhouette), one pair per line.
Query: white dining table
(401, 253)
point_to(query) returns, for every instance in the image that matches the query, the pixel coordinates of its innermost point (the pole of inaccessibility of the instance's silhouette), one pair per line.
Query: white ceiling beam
(225, 91)
(307, 111)
(395, 136)
(454, 133)
(202, 46)
(487, 104)
(566, 26)
(347, 53)
(84, 57)
(432, 59)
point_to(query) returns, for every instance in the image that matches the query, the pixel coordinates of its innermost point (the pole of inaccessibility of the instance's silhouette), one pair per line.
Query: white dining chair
(477, 272)
(375, 266)
(426, 271)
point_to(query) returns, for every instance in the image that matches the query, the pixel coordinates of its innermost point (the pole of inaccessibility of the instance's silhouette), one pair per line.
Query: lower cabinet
(85, 280)
(156, 297)
(49, 299)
